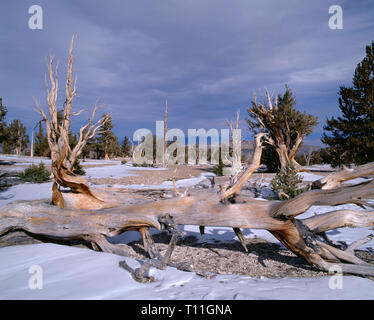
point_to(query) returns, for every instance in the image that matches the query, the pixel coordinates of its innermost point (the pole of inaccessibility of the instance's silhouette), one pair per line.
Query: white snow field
(78, 273)
(115, 171)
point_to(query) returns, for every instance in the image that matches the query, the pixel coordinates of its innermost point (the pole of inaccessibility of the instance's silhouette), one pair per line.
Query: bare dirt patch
(154, 177)
(263, 258)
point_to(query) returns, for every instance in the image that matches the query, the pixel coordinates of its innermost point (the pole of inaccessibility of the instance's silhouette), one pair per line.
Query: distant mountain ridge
(248, 146)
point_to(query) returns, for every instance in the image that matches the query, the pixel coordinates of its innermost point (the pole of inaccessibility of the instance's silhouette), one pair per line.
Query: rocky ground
(8, 178)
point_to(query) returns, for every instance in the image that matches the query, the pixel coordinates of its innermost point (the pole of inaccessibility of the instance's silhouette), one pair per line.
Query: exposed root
(359, 243)
(157, 261)
(148, 242)
(304, 242)
(202, 229)
(241, 238)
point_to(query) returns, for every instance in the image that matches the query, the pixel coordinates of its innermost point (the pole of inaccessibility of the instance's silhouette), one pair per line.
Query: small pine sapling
(285, 185)
(78, 168)
(36, 174)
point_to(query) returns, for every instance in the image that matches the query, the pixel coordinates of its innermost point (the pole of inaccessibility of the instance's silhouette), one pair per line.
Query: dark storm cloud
(206, 57)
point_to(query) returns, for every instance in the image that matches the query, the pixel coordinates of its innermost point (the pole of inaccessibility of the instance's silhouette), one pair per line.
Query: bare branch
(359, 243)
(343, 195)
(256, 158)
(77, 113)
(339, 219)
(336, 178)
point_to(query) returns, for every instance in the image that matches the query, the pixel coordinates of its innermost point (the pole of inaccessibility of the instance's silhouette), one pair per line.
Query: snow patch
(77, 273)
(309, 176)
(116, 171)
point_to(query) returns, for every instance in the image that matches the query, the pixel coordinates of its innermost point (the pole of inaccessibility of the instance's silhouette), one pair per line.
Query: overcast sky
(207, 57)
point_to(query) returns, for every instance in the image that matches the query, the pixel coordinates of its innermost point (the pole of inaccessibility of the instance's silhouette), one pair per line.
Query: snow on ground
(357, 181)
(19, 163)
(24, 160)
(309, 176)
(77, 273)
(320, 167)
(26, 191)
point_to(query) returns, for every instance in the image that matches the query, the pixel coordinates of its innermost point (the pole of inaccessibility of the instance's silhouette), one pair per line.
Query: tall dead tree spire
(236, 165)
(165, 132)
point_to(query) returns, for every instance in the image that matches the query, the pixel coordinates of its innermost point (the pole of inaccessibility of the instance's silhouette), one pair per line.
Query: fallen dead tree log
(301, 236)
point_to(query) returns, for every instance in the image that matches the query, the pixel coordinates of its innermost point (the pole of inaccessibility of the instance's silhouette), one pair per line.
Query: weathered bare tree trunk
(62, 156)
(32, 144)
(308, 157)
(282, 154)
(236, 166)
(164, 154)
(236, 185)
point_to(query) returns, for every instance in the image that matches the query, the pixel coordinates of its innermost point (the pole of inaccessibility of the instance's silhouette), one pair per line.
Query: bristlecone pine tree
(107, 141)
(126, 147)
(17, 138)
(3, 112)
(286, 127)
(351, 136)
(41, 147)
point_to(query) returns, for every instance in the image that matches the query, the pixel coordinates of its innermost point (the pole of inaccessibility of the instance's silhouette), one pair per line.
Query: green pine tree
(41, 146)
(78, 168)
(36, 174)
(107, 144)
(350, 137)
(17, 138)
(286, 183)
(125, 147)
(3, 112)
